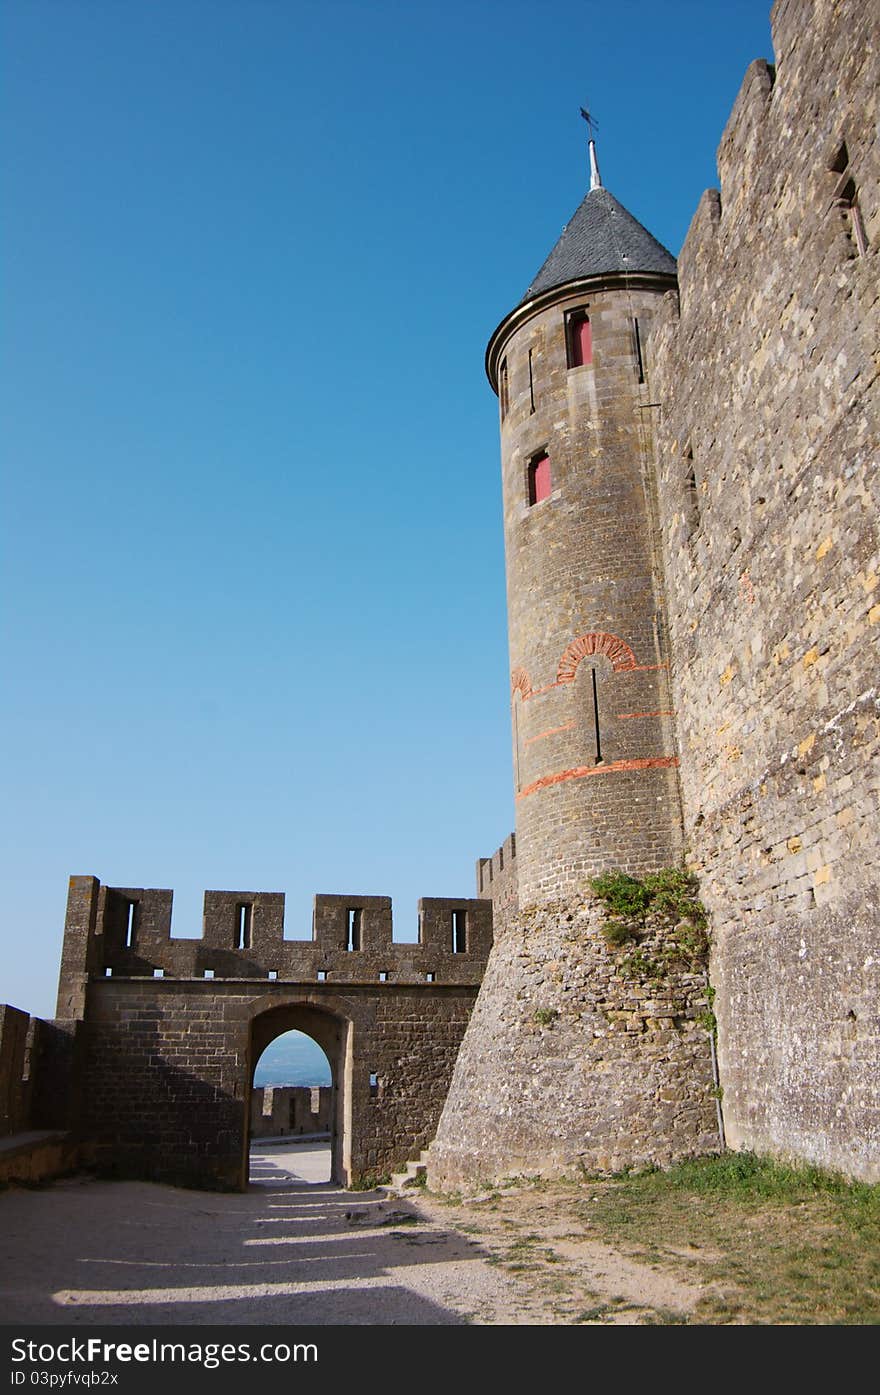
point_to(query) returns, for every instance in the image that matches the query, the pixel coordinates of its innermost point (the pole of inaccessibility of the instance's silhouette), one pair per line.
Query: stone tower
(571, 1061)
(594, 756)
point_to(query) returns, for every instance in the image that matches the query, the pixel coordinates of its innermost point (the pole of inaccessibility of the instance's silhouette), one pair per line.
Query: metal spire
(595, 177)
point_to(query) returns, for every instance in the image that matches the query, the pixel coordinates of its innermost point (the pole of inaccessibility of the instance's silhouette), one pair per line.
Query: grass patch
(796, 1244)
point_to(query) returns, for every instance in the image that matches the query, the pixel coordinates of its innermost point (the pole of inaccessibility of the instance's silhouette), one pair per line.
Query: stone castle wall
(36, 1071)
(767, 451)
(278, 1111)
(575, 1063)
(171, 1030)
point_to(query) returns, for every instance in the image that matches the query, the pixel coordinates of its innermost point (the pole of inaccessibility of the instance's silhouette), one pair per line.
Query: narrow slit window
(430, 976)
(531, 384)
(315, 1099)
(578, 339)
(459, 932)
(596, 717)
(637, 350)
(374, 1083)
(243, 917)
(353, 930)
(503, 389)
(539, 478)
(108, 973)
(383, 975)
(691, 493)
(130, 924)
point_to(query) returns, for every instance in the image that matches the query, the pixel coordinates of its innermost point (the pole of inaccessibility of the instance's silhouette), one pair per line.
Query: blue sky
(254, 629)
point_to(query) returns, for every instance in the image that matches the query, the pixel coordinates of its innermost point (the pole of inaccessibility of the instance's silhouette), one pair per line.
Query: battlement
(497, 881)
(113, 931)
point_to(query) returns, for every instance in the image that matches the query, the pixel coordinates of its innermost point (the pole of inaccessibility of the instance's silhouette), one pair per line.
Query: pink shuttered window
(539, 479)
(580, 340)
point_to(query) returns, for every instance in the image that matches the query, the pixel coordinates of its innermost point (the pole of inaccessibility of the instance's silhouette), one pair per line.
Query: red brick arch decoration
(620, 655)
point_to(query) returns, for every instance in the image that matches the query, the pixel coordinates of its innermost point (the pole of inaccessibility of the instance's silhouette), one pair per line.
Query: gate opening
(296, 1114)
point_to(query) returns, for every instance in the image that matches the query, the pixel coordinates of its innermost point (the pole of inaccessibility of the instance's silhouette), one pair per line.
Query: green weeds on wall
(662, 909)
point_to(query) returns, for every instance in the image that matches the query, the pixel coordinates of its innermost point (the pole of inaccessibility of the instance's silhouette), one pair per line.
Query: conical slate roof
(600, 238)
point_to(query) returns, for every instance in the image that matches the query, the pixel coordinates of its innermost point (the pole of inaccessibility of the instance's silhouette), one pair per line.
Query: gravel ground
(294, 1249)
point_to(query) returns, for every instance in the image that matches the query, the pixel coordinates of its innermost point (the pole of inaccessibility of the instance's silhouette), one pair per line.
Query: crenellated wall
(497, 882)
(173, 1029)
(767, 451)
(126, 931)
(280, 1111)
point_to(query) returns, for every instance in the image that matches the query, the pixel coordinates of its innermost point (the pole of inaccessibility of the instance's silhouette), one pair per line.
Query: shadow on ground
(289, 1251)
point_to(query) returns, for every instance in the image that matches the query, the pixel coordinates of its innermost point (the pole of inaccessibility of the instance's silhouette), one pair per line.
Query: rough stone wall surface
(278, 1110)
(583, 600)
(576, 1067)
(767, 455)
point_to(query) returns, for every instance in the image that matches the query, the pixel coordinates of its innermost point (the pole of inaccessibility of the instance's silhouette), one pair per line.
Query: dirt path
(297, 1251)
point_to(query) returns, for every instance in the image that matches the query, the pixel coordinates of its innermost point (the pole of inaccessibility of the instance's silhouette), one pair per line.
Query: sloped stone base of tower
(576, 1059)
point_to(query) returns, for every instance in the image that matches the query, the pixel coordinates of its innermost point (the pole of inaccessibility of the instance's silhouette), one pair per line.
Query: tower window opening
(531, 385)
(353, 931)
(539, 478)
(596, 717)
(637, 350)
(130, 924)
(503, 389)
(578, 339)
(459, 932)
(430, 976)
(846, 199)
(243, 916)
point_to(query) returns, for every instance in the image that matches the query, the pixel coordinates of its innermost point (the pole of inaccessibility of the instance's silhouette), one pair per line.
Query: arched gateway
(163, 1034)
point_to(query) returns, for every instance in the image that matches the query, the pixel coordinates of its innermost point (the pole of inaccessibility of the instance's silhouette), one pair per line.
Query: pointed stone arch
(615, 650)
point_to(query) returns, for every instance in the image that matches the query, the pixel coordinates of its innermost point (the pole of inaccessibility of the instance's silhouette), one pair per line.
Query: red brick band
(566, 726)
(581, 771)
